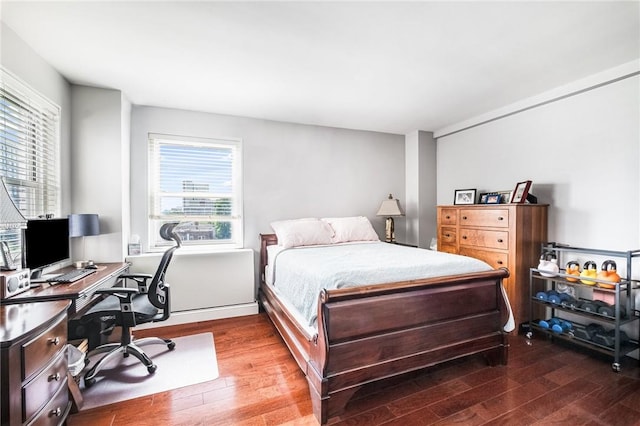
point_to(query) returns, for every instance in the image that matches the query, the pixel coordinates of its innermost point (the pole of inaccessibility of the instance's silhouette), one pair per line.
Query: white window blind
(196, 181)
(29, 151)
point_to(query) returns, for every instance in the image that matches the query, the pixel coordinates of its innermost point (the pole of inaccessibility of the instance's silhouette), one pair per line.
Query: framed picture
(483, 198)
(521, 191)
(464, 196)
(494, 198)
(505, 196)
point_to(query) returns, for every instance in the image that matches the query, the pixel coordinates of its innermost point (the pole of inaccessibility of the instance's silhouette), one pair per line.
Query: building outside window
(197, 182)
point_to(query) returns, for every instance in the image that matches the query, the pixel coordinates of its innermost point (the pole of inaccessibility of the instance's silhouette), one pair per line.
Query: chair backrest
(158, 289)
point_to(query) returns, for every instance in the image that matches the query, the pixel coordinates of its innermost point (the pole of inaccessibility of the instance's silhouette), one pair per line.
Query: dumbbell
(551, 296)
(594, 330)
(568, 301)
(557, 325)
(610, 311)
(593, 306)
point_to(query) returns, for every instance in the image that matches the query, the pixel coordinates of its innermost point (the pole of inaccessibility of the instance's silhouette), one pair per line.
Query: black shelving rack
(626, 287)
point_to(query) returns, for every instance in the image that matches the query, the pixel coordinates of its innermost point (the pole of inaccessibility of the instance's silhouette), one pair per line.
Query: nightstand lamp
(389, 208)
(83, 225)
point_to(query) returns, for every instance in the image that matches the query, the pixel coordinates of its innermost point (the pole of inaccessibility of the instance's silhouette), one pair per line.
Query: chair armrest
(134, 276)
(140, 279)
(122, 293)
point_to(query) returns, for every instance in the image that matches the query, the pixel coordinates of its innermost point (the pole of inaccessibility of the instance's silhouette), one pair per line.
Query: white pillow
(302, 232)
(357, 228)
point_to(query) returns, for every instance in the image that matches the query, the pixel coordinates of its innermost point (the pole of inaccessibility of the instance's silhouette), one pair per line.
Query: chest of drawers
(503, 235)
(33, 364)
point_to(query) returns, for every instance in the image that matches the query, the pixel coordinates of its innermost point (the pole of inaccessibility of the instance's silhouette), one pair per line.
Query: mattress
(299, 274)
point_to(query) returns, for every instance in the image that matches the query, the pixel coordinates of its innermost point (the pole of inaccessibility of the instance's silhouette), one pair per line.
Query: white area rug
(192, 361)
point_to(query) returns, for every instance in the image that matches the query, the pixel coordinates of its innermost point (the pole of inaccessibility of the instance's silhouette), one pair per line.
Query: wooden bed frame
(371, 333)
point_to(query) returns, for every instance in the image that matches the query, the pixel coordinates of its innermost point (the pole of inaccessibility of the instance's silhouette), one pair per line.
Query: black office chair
(127, 307)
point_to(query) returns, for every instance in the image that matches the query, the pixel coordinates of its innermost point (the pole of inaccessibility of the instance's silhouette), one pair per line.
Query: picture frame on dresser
(520, 192)
(464, 196)
(494, 198)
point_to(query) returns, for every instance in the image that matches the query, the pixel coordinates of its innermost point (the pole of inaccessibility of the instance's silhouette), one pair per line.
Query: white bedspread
(300, 273)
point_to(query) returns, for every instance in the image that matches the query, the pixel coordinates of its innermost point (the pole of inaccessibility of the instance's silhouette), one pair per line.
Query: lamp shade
(82, 225)
(390, 207)
(10, 216)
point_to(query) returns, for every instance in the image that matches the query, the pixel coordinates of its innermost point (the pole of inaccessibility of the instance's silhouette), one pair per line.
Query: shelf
(625, 348)
(623, 293)
(594, 315)
(623, 285)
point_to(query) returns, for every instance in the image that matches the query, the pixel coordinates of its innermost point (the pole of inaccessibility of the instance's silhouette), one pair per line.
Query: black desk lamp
(83, 225)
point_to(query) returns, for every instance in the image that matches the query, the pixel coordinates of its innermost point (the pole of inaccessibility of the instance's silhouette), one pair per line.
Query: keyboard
(71, 276)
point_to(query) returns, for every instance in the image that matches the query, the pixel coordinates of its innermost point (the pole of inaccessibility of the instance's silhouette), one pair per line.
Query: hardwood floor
(260, 384)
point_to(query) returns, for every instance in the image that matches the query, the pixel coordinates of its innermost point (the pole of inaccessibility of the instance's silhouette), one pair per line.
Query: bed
(358, 333)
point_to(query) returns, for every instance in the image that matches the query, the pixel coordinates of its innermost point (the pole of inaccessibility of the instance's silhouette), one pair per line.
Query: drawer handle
(55, 341)
(464, 237)
(57, 412)
(499, 262)
(464, 218)
(500, 240)
(500, 218)
(447, 235)
(54, 377)
(447, 217)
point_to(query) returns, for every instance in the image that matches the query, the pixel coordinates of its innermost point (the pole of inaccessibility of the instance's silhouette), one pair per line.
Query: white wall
(100, 169)
(581, 152)
(289, 170)
(19, 59)
(420, 175)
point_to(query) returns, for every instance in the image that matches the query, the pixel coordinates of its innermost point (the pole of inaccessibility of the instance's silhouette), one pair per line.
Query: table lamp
(389, 208)
(10, 218)
(83, 225)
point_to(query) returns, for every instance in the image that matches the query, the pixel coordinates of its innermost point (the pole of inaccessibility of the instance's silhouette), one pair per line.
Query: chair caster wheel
(616, 367)
(171, 346)
(152, 368)
(529, 335)
(89, 382)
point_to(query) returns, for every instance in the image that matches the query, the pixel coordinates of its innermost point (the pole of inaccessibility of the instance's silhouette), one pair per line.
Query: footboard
(372, 333)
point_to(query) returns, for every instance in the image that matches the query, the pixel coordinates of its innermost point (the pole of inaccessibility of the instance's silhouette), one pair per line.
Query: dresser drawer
(38, 351)
(494, 218)
(45, 385)
(494, 259)
(56, 411)
(448, 248)
(486, 239)
(448, 216)
(448, 235)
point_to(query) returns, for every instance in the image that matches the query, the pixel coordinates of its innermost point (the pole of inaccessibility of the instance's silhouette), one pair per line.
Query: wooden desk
(77, 297)
(33, 385)
(80, 293)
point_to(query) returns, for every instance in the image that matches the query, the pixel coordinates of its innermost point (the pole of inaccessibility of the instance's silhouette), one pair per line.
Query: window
(197, 182)
(29, 152)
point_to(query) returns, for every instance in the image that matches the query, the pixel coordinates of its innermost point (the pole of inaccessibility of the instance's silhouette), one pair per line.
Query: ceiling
(384, 66)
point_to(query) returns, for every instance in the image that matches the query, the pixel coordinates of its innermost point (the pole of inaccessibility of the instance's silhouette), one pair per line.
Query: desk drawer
(45, 385)
(56, 411)
(37, 352)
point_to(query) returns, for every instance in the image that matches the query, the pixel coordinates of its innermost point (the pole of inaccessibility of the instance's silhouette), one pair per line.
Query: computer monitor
(45, 242)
